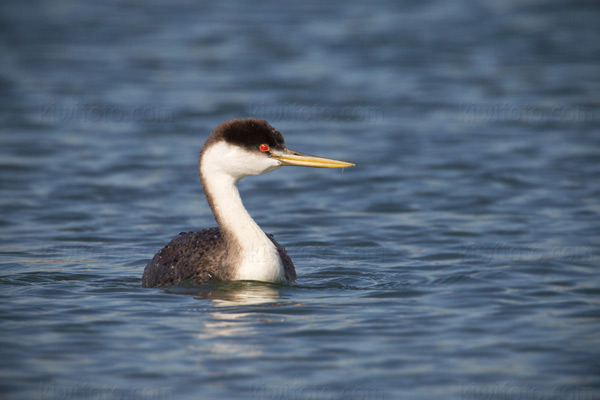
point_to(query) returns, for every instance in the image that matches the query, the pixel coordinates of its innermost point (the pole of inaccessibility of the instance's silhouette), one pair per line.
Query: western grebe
(238, 249)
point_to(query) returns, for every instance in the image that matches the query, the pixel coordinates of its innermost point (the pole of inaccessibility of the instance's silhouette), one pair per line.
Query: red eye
(264, 147)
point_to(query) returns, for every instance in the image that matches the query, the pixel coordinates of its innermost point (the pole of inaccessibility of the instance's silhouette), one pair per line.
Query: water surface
(458, 259)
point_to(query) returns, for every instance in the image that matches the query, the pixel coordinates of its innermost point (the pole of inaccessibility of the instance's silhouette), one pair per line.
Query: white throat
(221, 167)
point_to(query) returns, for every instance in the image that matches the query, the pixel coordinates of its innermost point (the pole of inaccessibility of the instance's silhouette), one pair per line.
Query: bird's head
(243, 147)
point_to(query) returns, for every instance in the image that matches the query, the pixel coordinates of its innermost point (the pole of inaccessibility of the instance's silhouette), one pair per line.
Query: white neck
(257, 256)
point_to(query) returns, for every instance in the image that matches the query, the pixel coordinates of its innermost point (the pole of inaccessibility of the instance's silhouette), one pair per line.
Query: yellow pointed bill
(305, 160)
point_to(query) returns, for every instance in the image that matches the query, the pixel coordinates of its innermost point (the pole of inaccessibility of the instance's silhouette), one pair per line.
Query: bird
(237, 249)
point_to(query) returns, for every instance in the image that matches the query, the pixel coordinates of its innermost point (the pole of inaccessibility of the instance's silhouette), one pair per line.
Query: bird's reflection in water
(232, 293)
(234, 316)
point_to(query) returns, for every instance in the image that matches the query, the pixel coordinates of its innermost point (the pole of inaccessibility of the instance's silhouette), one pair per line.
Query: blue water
(459, 259)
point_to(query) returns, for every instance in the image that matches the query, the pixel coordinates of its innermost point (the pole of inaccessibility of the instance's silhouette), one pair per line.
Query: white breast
(221, 167)
(260, 262)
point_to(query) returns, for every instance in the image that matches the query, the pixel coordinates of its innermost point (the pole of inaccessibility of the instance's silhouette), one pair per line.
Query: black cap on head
(248, 133)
